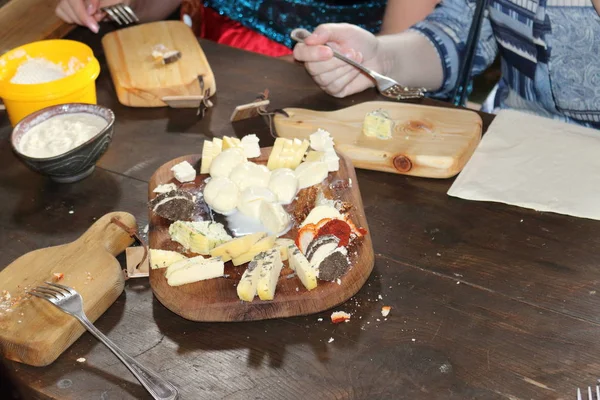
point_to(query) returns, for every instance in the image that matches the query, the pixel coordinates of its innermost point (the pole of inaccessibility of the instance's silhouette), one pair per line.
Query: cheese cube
(378, 124)
(270, 268)
(305, 271)
(184, 172)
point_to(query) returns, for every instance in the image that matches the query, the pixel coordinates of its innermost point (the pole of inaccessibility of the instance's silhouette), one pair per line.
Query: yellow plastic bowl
(23, 99)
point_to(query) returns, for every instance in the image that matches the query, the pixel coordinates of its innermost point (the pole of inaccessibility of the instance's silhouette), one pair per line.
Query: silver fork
(386, 86)
(590, 395)
(70, 302)
(121, 14)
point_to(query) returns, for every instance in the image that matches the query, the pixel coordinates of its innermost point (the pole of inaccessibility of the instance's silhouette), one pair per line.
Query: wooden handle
(109, 235)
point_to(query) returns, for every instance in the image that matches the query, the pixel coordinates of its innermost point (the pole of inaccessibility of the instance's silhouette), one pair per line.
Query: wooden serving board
(33, 331)
(427, 141)
(141, 81)
(217, 300)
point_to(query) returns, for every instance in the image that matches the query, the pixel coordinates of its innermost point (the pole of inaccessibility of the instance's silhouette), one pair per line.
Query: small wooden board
(427, 141)
(35, 332)
(142, 81)
(217, 300)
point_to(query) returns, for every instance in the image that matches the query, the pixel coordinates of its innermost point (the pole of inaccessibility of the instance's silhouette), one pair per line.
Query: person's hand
(83, 12)
(335, 76)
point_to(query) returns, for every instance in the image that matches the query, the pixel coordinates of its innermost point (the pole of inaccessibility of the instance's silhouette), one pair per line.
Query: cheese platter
(245, 233)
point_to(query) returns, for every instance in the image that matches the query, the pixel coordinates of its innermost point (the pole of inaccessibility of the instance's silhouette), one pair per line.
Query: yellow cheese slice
(237, 246)
(270, 268)
(264, 244)
(305, 271)
(207, 156)
(164, 258)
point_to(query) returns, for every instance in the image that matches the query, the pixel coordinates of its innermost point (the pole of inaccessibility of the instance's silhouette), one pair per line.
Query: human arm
(427, 55)
(402, 14)
(88, 12)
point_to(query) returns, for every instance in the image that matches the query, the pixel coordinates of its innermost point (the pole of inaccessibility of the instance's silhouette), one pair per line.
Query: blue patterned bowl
(77, 163)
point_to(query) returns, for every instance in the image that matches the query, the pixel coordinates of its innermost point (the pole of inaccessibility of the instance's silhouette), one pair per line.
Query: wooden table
(489, 301)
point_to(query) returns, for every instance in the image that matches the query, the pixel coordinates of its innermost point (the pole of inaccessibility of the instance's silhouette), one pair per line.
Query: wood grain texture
(25, 21)
(427, 141)
(217, 300)
(140, 80)
(35, 332)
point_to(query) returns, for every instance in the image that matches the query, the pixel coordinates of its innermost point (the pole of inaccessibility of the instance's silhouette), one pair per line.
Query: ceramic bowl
(77, 163)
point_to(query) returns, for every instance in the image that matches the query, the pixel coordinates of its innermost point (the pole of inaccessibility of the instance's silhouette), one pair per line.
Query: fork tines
(50, 292)
(590, 395)
(121, 14)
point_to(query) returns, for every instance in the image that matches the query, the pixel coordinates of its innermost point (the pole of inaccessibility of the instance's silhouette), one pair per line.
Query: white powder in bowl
(40, 70)
(60, 134)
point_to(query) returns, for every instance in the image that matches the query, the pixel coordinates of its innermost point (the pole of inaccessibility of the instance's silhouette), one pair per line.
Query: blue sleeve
(447, 28)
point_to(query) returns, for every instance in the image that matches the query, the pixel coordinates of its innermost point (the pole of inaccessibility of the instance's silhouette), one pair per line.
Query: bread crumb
(340, 316)
(58, 276)
(385, 310)
(330, 340)
(80, 360)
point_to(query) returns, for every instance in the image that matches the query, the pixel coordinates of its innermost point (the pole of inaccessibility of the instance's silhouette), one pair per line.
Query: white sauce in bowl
(59, 134)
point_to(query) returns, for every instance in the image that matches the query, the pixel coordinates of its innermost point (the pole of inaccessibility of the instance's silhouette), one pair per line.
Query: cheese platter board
(248, 233)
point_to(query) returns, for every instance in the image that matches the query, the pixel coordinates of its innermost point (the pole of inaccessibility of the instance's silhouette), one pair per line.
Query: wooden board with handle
(35, 332)
(142, 81)
(427, 141)
(217, 300)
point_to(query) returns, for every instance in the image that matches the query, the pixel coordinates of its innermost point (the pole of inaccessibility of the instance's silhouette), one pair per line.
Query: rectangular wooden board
(142, 81)
(217, 300)
(427, 141)
(32, 330)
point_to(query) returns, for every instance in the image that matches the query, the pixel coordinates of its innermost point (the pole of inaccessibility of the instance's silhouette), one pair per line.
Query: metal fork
(590, 393)
(121, 14)
(70, 302)
(386, 86)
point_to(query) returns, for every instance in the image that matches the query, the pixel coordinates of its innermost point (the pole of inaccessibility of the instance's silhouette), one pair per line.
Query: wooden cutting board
(431, 142)
(33, 331)
(141, 81)
(217, 300)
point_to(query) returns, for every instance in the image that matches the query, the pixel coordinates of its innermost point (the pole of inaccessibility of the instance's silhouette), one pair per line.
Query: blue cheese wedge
(194, 270)
(198, 237)
(270, 268)
(299, 263)
(246, 288)
(378, 124)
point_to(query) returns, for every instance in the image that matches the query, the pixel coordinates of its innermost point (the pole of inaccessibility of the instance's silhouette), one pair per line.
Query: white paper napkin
(537, 163)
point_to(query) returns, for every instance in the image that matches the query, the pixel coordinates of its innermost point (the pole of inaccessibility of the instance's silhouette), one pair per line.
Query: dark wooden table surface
(489, 301)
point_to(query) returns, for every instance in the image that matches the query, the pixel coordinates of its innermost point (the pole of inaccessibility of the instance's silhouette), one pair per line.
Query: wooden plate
(427, 141)
(217, 300)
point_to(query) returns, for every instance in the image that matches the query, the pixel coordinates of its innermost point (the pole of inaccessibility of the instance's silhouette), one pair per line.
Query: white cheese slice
(184, 172)
(270, 268)
(274, 217)
(284, 184)
(249, 174)
(167, 187)
(251, 146)
(311, 173)
(198, 270)
(250, 199)
(282, 244)
(305, 271)
(226, 161)
(332, 160)
(222, 195)
(320, 212)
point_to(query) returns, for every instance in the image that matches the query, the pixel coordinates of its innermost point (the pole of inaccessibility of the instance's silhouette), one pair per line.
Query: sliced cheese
(315, 156)
(287, 153)
(270, 268)
(282, 244)
(237, 246)
(321, 212)
(164, 258)
(311, 173)
(197, 271)
(305, 271)
(273, 217)
(207, 157)
(229, 142)
(274, 162)
(246, 288)
(262, 245)
(217, 146)
(182, 264)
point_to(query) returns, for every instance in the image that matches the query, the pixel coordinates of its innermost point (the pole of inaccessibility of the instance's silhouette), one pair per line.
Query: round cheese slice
(249, 174)
(284, 184)
(310, 173)
(226, 161)
(250, 199)
(222, 195)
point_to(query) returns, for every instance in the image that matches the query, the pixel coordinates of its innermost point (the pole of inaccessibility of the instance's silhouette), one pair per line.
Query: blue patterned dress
(550, 53)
